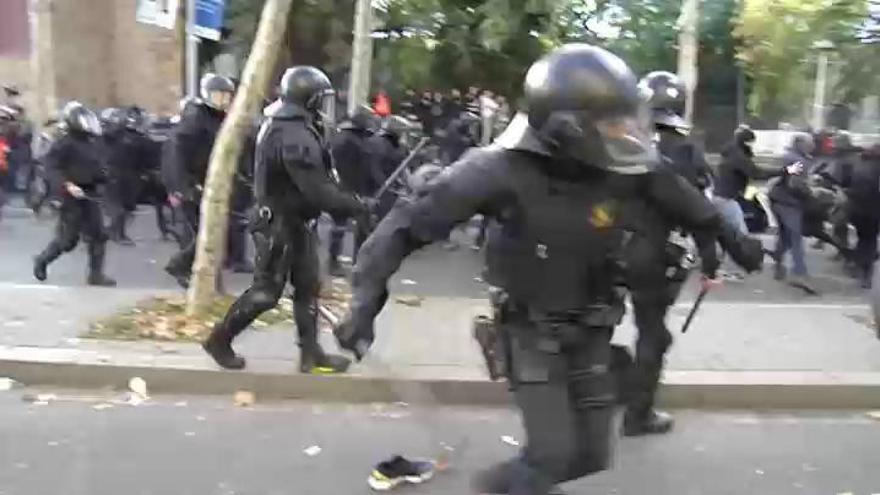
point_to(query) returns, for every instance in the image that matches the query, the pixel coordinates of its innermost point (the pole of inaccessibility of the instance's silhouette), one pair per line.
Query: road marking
(14, 286)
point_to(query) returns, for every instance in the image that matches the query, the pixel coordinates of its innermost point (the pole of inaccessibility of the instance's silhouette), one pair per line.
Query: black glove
(354, 337)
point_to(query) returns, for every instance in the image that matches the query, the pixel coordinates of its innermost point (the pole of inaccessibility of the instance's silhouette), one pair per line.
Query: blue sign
(209, 18)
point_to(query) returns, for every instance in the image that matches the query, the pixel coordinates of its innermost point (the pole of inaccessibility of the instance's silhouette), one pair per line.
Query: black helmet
(744, 135)
(666, 98)
(112, 120)
(80, 119)
(135, 118)
(303, 91)
(584, 104)
(216, 91)
(363, 119)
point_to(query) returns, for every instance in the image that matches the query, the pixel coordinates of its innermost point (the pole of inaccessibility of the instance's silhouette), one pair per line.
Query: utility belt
(554, 330)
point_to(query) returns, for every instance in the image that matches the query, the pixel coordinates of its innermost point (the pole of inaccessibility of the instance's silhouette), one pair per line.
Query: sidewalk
(737, 354)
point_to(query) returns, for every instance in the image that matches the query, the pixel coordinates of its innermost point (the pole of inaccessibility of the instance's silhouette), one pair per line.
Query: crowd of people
(821, 179)
(581, 196)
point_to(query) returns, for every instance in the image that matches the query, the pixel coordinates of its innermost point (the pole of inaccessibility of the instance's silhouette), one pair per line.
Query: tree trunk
(224, 158)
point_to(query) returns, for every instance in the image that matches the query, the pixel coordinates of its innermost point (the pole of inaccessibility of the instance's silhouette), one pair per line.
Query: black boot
(96, 266)
(316, 361)
(179, 275)
(219, 347)
(636, 423)
(42, 260)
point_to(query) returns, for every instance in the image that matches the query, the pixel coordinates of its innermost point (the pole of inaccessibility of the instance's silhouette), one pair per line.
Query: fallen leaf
(8, 384)
(478, 280)
(182, 403)
(139, 386)
(509, 440)
(312, 451)
(52, 444)
(758, 471)
(408, 281)
(414, 301)
(244, 398)
(873, 415)
(201, 418)
(102, 406)
(190, 434)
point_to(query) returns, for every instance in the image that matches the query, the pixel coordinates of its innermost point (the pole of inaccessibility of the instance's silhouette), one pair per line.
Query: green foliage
(777, 38)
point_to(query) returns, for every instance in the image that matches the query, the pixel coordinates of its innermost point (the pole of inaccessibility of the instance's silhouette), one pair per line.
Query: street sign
(160, 13)
(209, 18)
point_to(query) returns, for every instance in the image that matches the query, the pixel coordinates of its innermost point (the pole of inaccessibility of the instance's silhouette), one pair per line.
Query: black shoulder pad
(299, 146)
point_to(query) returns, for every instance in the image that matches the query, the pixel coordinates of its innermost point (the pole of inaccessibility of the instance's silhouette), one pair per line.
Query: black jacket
(685, 158)
(736, 169)
(291, 172)
(864, 190)
(190, 147)
(75, 157)
(791, 190)
(351, 156)
(386, 154)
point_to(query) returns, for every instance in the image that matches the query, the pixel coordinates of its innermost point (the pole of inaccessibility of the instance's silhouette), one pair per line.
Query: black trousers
(236, 239)
(286, 250)
(565, 391)
(867, 227)
(652, 294)
(188, 229)
(78, 218)
(337, 235)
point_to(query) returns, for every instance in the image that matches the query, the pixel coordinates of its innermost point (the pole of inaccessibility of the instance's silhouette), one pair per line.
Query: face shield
(220, 100)
(627, 141)
(325, 107)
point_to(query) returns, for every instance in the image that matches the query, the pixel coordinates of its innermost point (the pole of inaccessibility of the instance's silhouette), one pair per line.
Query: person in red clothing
(382, 105)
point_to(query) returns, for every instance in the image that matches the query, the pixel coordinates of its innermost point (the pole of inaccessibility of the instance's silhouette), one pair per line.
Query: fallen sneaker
(388, 474)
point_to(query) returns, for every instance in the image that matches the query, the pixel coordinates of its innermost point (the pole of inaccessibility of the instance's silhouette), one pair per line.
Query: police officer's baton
(328, 315)
(694, 309)
(400, 168)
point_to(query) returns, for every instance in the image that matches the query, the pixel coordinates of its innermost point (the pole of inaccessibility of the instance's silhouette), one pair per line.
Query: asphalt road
(204, 446)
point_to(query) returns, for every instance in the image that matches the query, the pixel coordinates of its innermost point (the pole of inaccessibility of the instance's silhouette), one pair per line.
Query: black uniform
(553, 253)
(240, 202)
(386, 154)
(75, 158)
(189, 152)
(351, 157)
(127, 154)
(292, 186)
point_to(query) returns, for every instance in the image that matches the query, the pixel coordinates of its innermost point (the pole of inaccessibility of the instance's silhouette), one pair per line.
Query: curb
(681, 389)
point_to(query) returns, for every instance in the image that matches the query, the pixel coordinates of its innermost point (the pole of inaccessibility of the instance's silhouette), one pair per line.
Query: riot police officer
(387, 151)
(654, 269)
(189, 153)
(553, 183)
(75, 168)
(351, 157)
(292, 186)
(127, 153)
(666, 99)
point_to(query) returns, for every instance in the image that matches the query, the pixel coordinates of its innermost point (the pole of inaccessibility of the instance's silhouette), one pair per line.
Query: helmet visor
(326, 109)
(627, 141)
(221, 100)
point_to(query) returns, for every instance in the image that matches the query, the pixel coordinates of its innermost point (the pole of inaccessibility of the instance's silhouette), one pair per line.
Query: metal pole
(192, 51)
(819, 91)
(740, 95)
(688, 41)
(361, 55)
